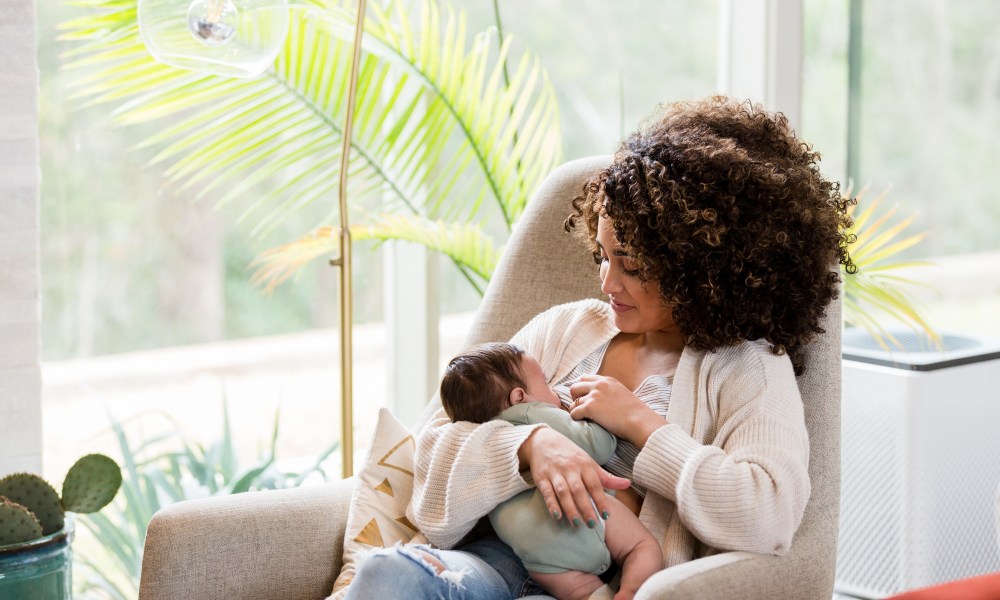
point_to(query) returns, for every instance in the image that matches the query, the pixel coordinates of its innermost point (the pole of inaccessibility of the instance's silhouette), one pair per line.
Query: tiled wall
(20, 383)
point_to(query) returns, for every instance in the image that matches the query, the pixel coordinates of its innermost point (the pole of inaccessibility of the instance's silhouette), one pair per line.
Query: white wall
(20, 383)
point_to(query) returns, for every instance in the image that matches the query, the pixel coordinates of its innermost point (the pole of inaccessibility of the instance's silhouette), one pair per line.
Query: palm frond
(275, 266)
(464, 243)
(474, 253)
(874, 291)
(511, 130)
(437, 129)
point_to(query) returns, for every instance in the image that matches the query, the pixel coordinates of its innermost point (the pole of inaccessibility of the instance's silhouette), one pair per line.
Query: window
(613, 63)
(147, 304)
(924, 126)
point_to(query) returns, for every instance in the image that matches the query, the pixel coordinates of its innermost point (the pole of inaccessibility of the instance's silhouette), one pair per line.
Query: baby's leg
(568, 585)
(631, 546)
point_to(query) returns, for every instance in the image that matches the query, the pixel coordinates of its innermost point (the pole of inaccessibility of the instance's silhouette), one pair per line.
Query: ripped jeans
(486, 569)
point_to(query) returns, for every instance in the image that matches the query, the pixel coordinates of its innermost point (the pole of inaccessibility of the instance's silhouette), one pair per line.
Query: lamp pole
(343, 261)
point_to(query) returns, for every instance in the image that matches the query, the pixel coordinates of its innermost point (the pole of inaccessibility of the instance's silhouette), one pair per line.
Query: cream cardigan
(729, 471)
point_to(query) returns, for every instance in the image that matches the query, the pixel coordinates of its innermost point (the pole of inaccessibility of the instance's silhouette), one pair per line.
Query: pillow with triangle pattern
(377, 515)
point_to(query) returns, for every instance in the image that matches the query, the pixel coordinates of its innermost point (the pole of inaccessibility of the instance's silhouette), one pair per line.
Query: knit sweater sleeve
(462, 471)
(745, 488)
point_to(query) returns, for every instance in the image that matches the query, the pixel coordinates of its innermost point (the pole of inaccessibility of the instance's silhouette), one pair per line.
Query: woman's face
(637, 305)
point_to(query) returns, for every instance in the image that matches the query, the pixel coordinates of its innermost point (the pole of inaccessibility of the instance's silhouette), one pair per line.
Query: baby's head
(479, 384)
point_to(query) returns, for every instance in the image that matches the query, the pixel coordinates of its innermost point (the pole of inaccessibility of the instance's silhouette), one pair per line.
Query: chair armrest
(739, 575)
(257, 545)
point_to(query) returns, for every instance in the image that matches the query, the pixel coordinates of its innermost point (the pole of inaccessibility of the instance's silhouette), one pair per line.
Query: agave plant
(875, 291)
(442, 128)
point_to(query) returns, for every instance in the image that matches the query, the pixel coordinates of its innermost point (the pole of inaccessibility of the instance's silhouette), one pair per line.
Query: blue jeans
(486, 569)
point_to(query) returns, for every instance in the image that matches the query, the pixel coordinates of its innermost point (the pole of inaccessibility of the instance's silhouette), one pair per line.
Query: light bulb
(212, 22)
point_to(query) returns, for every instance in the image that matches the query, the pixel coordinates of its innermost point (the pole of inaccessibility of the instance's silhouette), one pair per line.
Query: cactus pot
(40, 569)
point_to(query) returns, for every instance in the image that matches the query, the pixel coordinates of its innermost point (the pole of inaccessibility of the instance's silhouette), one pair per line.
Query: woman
(716, 237)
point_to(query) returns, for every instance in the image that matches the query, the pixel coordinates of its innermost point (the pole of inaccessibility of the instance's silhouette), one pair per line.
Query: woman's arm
(746, 489)
(462, 471)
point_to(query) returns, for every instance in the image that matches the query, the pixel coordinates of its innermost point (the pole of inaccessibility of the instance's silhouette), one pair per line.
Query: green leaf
(466, 244)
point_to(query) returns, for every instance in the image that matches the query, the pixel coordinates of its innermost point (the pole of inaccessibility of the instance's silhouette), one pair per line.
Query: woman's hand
(613, 406)
(567, 477)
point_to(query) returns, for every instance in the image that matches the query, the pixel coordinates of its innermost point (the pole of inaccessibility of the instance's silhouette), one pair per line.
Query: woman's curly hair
(726, 210)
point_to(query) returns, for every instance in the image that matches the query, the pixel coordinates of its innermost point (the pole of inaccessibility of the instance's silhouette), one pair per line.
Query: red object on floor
(983, 587)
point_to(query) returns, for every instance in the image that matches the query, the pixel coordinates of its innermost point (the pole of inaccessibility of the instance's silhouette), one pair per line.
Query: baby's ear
(516, 396)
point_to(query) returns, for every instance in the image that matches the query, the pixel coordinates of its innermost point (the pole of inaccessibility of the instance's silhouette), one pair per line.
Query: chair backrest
(543, 266)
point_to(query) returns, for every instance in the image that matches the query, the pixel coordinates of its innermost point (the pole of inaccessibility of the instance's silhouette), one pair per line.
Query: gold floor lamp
(241, 38)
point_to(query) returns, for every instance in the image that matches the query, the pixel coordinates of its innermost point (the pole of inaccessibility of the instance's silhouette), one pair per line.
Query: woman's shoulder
(750, 357)
(758, 350)
(748, 372)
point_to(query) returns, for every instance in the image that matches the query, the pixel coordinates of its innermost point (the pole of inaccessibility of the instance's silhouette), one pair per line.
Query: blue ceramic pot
(41, 569)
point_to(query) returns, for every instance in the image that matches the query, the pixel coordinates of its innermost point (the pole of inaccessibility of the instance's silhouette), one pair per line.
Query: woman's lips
(620, 308)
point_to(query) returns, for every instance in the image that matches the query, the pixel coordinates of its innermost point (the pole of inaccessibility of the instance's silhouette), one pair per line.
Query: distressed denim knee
(406, 571)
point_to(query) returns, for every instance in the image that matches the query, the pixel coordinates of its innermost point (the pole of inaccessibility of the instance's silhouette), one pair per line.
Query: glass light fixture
(235, 38)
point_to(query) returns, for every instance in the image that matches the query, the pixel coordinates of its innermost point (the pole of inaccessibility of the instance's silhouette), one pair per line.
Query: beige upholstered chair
(287, 544)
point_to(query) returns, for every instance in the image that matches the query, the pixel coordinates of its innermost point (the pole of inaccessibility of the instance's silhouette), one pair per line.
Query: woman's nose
(610, 280)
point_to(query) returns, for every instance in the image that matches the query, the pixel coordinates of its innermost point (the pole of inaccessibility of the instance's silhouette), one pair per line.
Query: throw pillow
(377, 514)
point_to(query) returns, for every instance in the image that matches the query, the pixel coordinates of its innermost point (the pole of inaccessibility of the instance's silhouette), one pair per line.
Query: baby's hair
(477, 383)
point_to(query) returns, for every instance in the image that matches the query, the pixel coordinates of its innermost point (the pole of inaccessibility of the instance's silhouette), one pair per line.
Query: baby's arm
(630, 499)
(631, 546)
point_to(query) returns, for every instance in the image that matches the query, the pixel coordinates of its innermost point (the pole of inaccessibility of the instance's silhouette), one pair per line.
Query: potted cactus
(35, 531)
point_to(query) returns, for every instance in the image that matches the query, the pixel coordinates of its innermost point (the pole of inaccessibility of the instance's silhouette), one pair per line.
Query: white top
(654, 391)
(729, 471)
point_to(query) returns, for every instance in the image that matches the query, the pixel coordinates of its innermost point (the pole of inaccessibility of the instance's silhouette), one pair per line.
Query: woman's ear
(516, 396)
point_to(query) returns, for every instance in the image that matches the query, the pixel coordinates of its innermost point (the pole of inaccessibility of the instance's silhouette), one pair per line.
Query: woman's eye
(630, 267)
(599, 258)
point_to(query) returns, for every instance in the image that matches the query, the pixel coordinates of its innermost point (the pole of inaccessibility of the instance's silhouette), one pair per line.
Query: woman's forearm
(642, 426)
(524, 452)
(766, 484)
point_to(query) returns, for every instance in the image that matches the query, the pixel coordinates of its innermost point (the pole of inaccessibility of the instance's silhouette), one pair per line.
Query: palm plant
(875, 291)
(442, 127)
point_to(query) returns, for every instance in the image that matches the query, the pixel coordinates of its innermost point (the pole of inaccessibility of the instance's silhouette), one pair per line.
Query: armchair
(288, 543)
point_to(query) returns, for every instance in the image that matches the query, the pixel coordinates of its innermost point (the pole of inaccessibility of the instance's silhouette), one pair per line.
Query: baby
(499, 380)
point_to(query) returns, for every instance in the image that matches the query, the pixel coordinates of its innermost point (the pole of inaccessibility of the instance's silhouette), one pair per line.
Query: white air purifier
(920, 460)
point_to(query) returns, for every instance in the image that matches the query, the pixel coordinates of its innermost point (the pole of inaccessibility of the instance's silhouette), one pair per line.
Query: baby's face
(538, 390)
